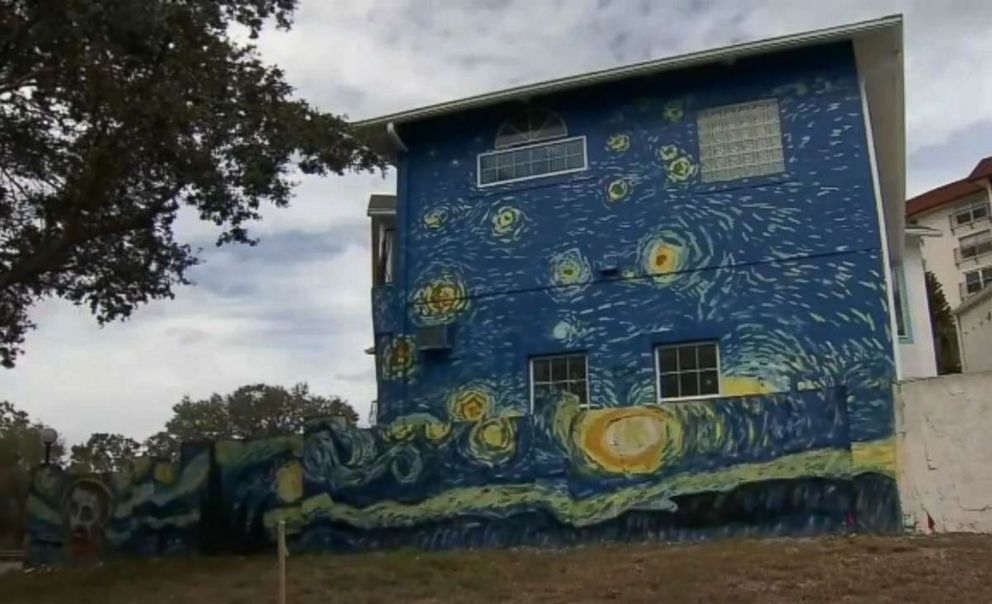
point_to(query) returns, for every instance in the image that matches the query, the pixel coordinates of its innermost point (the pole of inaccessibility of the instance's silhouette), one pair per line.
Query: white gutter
(394, 137)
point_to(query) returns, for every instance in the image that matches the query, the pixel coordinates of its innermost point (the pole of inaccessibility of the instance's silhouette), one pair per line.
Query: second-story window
(974, 212)
(976, 280)
(975, 245)
(531, 145)
(740, 141)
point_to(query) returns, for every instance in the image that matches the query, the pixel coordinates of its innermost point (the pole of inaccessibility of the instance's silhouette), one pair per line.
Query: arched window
(532, 144)
(530, 126)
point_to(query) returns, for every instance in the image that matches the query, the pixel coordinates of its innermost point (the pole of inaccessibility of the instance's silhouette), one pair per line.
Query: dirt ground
(945, 568)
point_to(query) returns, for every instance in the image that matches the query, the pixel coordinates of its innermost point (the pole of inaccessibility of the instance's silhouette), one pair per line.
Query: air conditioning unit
(434, 337)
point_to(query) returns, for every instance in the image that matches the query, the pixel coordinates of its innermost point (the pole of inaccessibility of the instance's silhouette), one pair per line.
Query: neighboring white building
(961, 259)
(917, 358)
(974, 318)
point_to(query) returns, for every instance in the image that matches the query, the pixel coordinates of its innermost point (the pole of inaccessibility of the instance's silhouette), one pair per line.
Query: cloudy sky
(296, 307)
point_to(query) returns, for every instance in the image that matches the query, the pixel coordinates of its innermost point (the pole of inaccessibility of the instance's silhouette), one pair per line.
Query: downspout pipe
(394, 137)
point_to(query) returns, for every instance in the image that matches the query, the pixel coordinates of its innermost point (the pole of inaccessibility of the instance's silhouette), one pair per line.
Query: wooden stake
(283, 552)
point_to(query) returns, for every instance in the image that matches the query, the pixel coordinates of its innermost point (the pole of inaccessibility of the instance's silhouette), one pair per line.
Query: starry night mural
(641, 248)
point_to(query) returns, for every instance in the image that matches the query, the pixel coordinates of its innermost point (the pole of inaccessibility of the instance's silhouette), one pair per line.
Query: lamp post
(48, 438)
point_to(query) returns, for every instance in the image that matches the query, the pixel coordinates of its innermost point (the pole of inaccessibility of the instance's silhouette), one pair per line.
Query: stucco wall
(916, 351)
(975, 334)
(945, 453)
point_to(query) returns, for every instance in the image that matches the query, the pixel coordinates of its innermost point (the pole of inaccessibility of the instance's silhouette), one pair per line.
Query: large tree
(21, 450)
(253, 411)
(117, 114)
(104, 452)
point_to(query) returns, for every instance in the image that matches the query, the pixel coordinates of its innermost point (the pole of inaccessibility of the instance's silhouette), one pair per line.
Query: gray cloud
(296, 307)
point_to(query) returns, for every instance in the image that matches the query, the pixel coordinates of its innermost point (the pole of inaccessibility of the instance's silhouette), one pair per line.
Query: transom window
(739, 141)
(975, 245)
(688, 370)
(971, 214)
(532, 161)
(976, 280)
(552, 375)
(530, 127)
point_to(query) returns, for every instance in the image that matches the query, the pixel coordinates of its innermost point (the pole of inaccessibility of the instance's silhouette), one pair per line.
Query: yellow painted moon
(628, 440)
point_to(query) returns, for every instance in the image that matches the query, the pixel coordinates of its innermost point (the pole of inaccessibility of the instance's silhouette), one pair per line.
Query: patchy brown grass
(841, 569)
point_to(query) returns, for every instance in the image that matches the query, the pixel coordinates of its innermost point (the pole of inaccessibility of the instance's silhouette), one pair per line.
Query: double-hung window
(687, 371)
(976, 280)
(970, 214)
(551, 376)
(975, 245)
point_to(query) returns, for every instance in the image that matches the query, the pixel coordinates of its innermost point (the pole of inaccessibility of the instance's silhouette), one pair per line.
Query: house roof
(952, 191)
(381, 205)
(678, 62)
(878, 54)
(982, 170)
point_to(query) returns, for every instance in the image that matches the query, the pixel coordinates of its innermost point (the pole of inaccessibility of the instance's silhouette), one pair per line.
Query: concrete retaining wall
(944, 427)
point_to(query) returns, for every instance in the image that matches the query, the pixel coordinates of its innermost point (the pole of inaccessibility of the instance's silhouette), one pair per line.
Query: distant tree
(21, 450)
(115, 116)
(104, 452)
(944, 328)
(253, 411)
(20, 440)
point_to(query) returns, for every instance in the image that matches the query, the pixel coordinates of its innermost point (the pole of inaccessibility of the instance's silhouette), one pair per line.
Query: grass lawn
(839, 569)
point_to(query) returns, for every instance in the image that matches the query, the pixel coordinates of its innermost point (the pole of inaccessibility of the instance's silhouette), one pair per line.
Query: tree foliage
(253, 411)
(944, 328)
(104, 452)
(114, 117)
(21, 450)
(20, 440)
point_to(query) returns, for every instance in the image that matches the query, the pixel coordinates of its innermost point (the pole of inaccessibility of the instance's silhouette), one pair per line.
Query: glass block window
(555, 374)
(973, 246)
(532, 161)
(976, 280)
(738, 141)
(688, 370)
(969, 215)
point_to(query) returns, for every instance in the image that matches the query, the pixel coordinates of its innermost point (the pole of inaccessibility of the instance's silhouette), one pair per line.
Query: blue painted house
(660, 301)
(655, 299)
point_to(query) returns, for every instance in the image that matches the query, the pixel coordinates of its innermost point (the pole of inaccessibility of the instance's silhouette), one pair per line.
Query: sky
(296, 307)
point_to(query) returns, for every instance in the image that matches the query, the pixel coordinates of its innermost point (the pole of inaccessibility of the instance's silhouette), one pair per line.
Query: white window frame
(970, 209)
(682, 399)
(535, 136)
(901, 308)
(983, 236)
(548, 357)
(558, 141)
(983, 283)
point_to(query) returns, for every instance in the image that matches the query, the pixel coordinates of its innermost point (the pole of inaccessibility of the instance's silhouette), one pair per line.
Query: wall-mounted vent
(434, 337)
